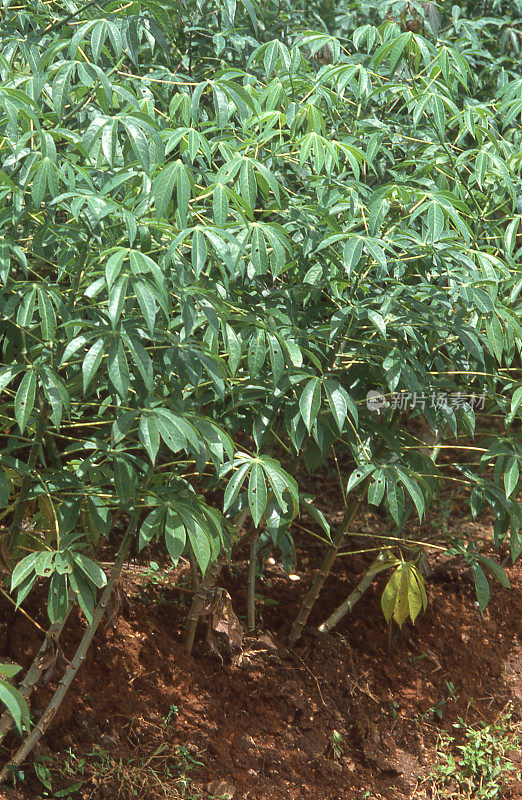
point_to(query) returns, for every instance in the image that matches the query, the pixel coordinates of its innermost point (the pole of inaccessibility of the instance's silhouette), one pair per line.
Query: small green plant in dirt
(479, 766)
(336, 744)
(43, 773)
(437, 708)
(159, 773)
(156, 575)
(171, 715)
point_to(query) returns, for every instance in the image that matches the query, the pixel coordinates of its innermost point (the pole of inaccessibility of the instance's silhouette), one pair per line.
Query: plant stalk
(194, 574)
(251, 586)
(353, 597)
(325, 568)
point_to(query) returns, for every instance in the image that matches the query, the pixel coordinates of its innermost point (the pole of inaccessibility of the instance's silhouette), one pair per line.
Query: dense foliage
(222, 224)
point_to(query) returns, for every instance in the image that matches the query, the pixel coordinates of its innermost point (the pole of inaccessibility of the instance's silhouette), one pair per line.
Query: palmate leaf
(404, 595)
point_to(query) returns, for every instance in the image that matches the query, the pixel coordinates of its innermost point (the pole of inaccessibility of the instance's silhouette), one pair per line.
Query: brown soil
(264, 724)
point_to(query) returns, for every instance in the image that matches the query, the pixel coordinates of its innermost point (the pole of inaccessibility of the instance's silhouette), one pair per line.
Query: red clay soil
(346, 715)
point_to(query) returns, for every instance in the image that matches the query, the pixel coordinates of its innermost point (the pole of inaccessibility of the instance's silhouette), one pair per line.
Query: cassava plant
(222, 225)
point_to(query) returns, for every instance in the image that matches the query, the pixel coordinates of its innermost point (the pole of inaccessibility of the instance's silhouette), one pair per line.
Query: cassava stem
(324, 569)
(251, 586)
(353, 597)
(193, 569)
(79, 657)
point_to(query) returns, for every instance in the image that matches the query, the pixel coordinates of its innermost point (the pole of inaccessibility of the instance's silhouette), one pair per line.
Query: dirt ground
(354, 714)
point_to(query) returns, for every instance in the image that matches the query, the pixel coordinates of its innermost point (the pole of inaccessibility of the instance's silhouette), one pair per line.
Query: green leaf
(149, 436)
(163, 188)
(337, 401)
(151, 527)
(220, 206)
(57, 598)
(435, 221)
(277, 359)
(124, 480)
(23, 569)
(248, 184)
(90, 569)
(147, 303)
(256, 353)
(118, 368)
(413, 490)
(47, 315)
(15, 704)
(511, 476)
(139, 142)
(9, 670)
(141, 360)
(25, 398)
(281, 482)
(394, 500)
(114, 265)
(496, 570)
(99, 519)
(257, 493)
(183, 192)
(310, 402)
(175, 535)
(7, 374)
(43, 566)
(5, 490)
(25, 313)
(83, 591)
(92, 361)
(352, 253)
(117, 297)
(200, 543)
(481, 587)
(199, 252)
(376, 488)
(234, 484)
